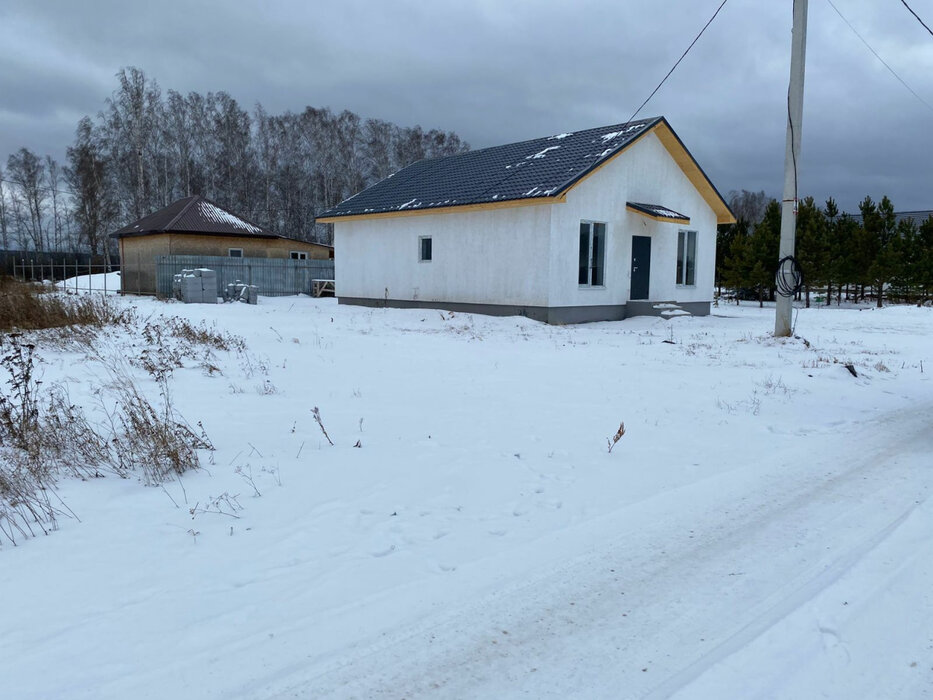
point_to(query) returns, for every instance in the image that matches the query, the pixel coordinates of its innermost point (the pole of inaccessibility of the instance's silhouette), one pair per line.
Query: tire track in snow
(637, 607)
(802, 592)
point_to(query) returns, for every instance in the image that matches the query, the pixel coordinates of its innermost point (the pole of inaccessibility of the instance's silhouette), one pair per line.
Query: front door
(641, 266)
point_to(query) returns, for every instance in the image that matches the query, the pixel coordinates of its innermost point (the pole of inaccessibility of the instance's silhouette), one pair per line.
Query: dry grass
(46, 435)
(152, 439)
(27, 306)
(42, 439)
(173, 340)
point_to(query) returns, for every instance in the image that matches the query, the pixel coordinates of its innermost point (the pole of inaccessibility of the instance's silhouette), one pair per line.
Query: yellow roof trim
(483, 206)
(687, 164)
(694, 173)
(655, 217)
(665, 135)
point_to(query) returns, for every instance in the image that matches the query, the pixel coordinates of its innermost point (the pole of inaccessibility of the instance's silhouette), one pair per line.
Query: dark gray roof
(658, 211)
(194, 214)
(540, 168)
(918, 217)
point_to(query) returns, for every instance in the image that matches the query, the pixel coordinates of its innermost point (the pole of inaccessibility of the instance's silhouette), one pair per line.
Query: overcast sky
(497, 71)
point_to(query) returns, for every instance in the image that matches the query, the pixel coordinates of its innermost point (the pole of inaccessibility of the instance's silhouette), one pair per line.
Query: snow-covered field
(762, 529)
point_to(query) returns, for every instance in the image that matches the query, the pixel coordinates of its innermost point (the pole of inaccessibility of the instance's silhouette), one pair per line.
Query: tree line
(873, 254)
(145, 150)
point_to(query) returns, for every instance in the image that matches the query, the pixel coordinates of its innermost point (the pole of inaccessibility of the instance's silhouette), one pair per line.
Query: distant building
(595, 225)
(918, 217)
(197, 226)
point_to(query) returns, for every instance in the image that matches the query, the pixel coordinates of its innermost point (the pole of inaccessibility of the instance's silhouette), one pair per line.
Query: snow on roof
(218, 215)
(541, 154)
(527, 169)
(627, 130)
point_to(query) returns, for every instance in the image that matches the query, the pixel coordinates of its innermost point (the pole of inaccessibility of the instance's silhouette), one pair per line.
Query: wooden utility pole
(782, 320)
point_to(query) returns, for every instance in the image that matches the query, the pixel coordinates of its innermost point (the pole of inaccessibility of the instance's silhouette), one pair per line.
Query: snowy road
(681, 601)
(762, 530)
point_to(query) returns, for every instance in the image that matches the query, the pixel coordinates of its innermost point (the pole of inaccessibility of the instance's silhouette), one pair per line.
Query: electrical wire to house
(916, 16)
(877, 55)
(683, 56)
(789, 277)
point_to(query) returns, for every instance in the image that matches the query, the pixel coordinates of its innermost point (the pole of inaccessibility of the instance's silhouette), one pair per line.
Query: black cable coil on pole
(788, 278)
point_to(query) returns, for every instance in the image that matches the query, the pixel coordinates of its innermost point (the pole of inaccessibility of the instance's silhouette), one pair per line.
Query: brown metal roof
(194, 214)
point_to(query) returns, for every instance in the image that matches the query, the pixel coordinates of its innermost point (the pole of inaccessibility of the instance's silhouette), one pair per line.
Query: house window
(592, 253)
(424, 249)
(298, 255)
(686, 257)
(234, 252)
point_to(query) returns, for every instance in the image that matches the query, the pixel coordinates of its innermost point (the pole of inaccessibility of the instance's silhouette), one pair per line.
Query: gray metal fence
(35, 267)
(275, 277)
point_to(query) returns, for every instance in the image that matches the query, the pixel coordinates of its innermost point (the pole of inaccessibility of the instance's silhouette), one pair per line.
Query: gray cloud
(497, 72)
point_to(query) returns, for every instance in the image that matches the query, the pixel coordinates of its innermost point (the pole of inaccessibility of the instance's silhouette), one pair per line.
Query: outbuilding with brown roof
(196, 226)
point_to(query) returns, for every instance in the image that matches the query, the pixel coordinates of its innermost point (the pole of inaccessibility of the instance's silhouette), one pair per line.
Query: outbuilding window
(424, 249)
(686, 257)
(592, 254)
(234, 252)
(298, 255)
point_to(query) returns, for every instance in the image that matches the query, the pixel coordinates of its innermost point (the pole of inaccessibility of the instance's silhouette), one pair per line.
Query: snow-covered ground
(762, 529)
(101, 282)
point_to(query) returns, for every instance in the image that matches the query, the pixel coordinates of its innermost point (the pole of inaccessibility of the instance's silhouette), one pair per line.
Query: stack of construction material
(176, 284)
(247, 293)
(196, 286)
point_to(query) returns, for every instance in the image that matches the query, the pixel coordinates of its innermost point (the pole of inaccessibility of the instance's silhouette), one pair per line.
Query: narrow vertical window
(592, 254)
(584, 277)
(599, 254)
(686, 257)
(424, 249)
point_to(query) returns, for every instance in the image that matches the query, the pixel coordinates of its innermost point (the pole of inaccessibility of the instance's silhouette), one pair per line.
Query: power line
(38, 187)
(900, 80)
(904, 2)
(697, 38)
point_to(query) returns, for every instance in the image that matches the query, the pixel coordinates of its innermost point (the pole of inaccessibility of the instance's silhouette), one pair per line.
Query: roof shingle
(194, 214)
(543, 167)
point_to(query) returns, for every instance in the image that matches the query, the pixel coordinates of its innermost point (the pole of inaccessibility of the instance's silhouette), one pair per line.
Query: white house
(595, 225)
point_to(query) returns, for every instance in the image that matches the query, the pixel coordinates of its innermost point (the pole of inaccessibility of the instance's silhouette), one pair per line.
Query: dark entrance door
(641, 267)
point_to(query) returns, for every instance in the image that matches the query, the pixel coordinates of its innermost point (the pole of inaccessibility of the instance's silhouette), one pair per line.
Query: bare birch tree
(27, 197)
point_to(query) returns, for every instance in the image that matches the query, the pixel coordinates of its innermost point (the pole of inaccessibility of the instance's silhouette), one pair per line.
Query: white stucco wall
(497, 256)
(644, 173)
(529, 255)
